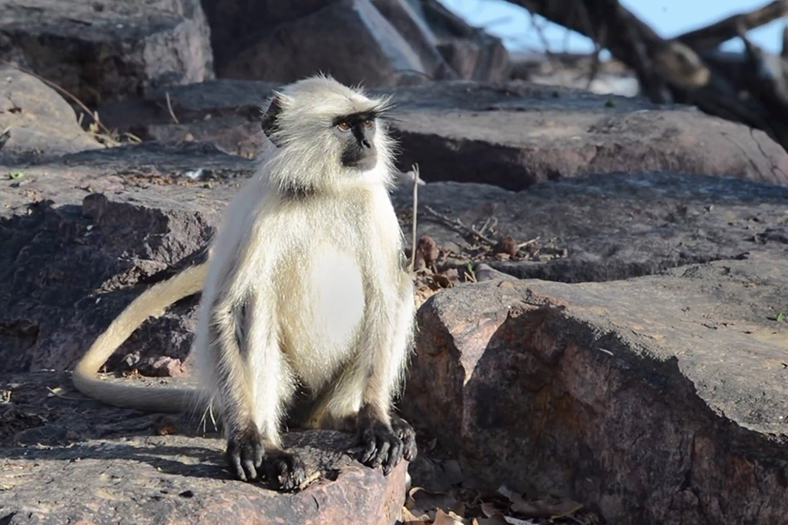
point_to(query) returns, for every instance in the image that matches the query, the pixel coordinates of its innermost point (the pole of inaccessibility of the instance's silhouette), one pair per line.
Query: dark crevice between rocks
(17, 336)
(579, 271)
(465, 160)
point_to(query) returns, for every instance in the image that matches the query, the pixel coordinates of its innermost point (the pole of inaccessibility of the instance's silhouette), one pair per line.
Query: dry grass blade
(57, 392)
(416, 177)
(169, 107)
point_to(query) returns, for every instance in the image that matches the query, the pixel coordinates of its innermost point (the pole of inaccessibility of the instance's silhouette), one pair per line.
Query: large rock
(36, 120)
(76, 241)
(415, 30)
(654, 400)
(244, 33)
(108, 50)
(211, 111)
(510, 135)
(70, 460)
(472, 52)
(515, 134)
(235, 23)
(348, 39)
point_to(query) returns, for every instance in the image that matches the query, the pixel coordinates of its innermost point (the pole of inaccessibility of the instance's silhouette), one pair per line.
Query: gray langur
(304, 292)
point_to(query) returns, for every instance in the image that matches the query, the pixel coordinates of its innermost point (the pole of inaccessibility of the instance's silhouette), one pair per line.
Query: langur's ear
(269, 120)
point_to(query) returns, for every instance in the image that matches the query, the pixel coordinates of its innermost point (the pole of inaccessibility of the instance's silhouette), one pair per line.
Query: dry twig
(528, 242)
(458, 224)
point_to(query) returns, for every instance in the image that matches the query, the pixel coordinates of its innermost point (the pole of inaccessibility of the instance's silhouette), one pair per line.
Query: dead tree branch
(711, 36)
(689, 69)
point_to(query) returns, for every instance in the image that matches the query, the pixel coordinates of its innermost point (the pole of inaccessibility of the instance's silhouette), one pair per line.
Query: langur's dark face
(357, 134)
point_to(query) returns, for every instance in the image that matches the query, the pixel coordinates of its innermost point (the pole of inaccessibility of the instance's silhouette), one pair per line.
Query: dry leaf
(441, 518)
(452, 275)
(496, 519)
(421, 502)
(428, 248)
(166, 426)
(408, 518)
(517, 521)
(506, 245)
(458, 509)
(489, 509)
(441, 280)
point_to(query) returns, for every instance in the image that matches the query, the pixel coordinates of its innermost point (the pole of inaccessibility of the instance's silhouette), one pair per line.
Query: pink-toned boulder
(660, 399)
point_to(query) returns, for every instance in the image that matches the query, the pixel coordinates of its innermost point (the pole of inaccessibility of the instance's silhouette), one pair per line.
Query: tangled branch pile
(749, 87)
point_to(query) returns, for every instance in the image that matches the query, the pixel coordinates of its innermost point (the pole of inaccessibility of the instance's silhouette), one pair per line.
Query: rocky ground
(602, 337)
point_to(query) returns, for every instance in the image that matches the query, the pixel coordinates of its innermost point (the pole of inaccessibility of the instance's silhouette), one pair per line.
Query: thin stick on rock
(490, 223)
(528, 242)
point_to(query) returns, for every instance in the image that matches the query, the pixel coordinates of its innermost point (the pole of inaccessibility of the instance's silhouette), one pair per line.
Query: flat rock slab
(612, 226)
(174, 173)
(510, 135)
(517, 134)
(55, 469)
(211, 111)
(660, 399)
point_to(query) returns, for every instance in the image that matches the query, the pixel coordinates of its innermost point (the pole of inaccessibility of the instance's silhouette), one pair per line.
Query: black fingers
(283, 470)
(249, 461)
(245, 453)
(381, 445)
(405, 432)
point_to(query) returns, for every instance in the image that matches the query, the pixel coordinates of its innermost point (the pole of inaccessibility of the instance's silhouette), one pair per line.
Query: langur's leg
(387, 438)
(254, 382)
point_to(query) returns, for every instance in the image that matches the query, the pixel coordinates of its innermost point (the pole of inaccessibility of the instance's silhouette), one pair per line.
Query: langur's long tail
(150, 303)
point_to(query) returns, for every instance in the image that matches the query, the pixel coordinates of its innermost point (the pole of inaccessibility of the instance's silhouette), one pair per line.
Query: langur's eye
(368, 123)
(343, 126)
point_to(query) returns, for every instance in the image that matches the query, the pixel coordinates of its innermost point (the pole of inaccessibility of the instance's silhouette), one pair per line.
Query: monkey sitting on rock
(304, 287)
